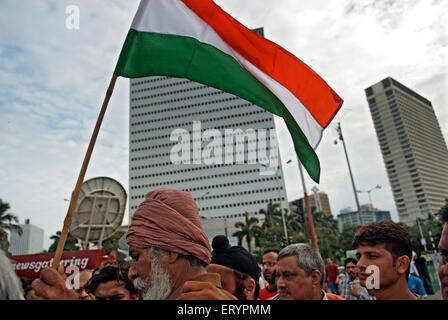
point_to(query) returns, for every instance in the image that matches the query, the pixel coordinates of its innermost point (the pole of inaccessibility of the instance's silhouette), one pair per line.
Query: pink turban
(169, 219)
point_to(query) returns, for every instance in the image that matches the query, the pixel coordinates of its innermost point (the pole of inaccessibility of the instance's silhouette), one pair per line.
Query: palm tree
(6, 219)
(292, 223)
(271, 215)
(71, 243)
(249, 229)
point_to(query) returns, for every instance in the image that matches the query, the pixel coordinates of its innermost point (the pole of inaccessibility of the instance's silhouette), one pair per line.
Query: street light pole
(368, 193)
(341, 137)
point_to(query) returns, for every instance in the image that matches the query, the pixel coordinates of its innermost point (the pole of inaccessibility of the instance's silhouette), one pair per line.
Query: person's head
(300, 273)
(386, 245)
(329, 261)
(10, 285)
(158, 272)
(83, 277)
(112, 283)
(239, 270)
(269, 263)
(167, 243)
(443, 248)
(350, 268)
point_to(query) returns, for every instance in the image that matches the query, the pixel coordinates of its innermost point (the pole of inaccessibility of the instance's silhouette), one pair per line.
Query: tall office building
(413, 147)
(217, 146)
(30, 241)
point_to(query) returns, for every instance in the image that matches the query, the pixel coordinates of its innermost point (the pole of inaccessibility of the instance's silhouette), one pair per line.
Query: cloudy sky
(53, 80)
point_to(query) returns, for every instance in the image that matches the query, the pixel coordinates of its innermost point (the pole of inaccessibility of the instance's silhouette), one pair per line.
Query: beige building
(413, 148)
(318, 201)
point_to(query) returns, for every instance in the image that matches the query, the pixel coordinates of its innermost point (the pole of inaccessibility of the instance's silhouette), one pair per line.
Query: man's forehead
(270, 256)
(365, 247)
(134, 250)
(288, 262)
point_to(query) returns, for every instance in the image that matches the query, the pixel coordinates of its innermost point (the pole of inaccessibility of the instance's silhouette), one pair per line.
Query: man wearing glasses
(269, 270)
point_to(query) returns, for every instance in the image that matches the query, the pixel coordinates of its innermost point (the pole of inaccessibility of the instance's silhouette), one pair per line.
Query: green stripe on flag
(153, 54)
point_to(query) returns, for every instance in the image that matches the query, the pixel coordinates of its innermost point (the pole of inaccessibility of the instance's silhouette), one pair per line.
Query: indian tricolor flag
(197, 40)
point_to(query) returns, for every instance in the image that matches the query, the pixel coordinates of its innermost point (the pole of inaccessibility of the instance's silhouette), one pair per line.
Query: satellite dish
(99, 211)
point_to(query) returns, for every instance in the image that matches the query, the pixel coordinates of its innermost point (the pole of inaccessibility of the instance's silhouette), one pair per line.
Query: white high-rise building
(413, 147)
(31, 241)
(172, 116)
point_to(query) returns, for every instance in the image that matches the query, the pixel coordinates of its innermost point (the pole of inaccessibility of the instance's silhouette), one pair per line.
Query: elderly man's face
(292, 281)
(149, 274)
(443, 267)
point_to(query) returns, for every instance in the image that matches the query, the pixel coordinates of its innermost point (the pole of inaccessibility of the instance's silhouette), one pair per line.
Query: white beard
(160, 286)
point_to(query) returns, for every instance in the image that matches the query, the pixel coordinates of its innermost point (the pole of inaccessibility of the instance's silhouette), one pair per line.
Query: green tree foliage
(272, 234)
(439, 213)
(8, 221)
(249, 229)
(4, 244)
(327, 236)
(346, 237)
(431, 224)
(71, 243)
(111, 244)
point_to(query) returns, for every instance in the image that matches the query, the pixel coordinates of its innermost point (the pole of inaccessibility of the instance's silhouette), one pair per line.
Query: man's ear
(402, 264)
(249, 288)
(172, 257)
(316, 277)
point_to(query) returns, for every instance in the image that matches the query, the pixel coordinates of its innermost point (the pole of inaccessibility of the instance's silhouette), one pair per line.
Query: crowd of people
(172, 259)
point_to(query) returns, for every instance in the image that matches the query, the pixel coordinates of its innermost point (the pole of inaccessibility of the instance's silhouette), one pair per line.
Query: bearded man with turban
(169, 253)
(169, 249)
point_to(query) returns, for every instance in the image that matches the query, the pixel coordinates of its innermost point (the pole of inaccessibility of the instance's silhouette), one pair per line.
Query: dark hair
(395, 238)
(111, 273)
(240, 277)
(444, 215)
(350, 260)
(267, 250)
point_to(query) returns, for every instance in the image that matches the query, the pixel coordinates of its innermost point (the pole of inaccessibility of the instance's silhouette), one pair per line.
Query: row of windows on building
(216, 157)
(170, 163)
(233, 205)
(177, 126)
(150, 80)
(239, 204)
(170, 110)
(234, 133)
(190, 170)
(201, 112)
(169, 93)
(158, 146)
(201, 95)
(169, 85)
(223, 195)
(177, 108)
(241, 182)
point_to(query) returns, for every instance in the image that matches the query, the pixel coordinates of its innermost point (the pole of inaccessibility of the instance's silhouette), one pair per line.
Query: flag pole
(75, 195)
(311, 230)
